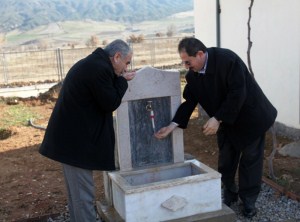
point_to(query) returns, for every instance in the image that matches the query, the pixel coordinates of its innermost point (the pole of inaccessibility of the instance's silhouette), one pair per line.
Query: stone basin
(166, 192)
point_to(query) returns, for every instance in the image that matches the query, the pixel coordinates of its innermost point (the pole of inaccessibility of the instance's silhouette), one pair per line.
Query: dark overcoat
(228, 92)
(80, 130)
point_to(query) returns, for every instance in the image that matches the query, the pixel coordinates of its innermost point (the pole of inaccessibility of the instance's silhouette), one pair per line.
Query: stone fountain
(154, 181)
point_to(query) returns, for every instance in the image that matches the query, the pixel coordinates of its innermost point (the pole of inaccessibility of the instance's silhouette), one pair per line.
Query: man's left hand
(211, 126)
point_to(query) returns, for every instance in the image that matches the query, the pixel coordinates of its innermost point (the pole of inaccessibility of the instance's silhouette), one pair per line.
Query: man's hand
(211, 126)
(129, 75)
(165, 131)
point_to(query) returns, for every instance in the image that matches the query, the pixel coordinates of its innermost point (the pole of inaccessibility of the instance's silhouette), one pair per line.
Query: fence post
(153, 61)
(60, 64)
(132, 59)
(4, 68)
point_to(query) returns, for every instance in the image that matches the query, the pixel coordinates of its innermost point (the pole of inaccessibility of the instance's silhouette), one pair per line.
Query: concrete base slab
(109, 214)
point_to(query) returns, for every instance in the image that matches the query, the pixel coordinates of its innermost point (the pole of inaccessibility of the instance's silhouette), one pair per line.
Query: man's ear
(117, 57)
(200, 53)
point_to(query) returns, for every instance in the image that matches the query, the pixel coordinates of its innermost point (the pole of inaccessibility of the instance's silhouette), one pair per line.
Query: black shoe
(230, 198)
(249, 212)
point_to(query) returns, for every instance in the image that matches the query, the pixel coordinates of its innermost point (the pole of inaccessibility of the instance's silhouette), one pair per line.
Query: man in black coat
(239, 113)
(80, 132)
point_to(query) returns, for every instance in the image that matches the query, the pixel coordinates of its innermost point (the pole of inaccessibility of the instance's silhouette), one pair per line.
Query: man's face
(194, 63)
(120, 63)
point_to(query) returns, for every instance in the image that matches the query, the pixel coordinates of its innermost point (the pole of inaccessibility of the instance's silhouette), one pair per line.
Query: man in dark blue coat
(239, 113)
(80, 132)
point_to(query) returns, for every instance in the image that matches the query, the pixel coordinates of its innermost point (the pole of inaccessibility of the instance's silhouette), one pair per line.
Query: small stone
(174, 203)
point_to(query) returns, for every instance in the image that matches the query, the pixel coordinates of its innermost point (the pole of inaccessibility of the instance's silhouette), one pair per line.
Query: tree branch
(249, 39)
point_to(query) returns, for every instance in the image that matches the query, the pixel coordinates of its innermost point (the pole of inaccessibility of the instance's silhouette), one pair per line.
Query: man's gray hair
(118, 45)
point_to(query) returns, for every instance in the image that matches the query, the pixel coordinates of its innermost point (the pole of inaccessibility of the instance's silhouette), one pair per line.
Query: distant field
(63, 33)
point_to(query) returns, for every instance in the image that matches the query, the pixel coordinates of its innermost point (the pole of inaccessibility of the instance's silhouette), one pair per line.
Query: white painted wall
(205, 21)
(275, 54)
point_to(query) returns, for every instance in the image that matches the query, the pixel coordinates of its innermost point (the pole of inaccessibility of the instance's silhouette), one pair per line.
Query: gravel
(271, 208)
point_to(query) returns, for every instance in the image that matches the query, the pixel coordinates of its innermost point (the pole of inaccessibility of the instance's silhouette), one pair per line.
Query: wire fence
(53, 65)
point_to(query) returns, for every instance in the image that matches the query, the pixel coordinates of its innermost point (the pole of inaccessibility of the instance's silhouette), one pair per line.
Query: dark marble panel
(146, 150)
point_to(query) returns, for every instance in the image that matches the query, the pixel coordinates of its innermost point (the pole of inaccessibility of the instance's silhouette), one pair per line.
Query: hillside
(29, 14)
(66, 34)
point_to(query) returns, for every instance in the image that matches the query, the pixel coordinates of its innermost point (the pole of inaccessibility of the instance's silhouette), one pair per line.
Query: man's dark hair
(191, 46)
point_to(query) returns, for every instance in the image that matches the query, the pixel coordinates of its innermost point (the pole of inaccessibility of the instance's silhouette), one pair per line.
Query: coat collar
(210, 68)
(104, 56)
(100, 52)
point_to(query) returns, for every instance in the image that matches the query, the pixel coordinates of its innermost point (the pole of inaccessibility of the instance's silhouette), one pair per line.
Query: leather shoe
(230, 198)
(249, 212)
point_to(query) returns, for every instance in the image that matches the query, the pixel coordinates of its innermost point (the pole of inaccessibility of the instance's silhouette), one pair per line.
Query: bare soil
(32, 186)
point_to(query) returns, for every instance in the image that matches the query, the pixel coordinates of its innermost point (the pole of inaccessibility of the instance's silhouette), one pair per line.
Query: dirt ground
(32, 186)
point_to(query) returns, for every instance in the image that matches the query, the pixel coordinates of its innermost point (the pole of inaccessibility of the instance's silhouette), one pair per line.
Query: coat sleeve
(236, 93)
(108, 90)
(186, 109)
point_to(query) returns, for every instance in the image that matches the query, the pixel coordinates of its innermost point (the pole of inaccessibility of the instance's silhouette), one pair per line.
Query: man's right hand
(129, 75)
(165, 131)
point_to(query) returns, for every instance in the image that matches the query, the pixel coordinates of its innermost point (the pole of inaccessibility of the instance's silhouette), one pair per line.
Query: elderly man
(80, 132)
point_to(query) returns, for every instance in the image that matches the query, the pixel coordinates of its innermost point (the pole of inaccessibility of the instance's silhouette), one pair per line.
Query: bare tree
(72, 45)
(136, 39)
(93, 41)
(171, 30)
(42, 44)
(104, 42)
(159, 34)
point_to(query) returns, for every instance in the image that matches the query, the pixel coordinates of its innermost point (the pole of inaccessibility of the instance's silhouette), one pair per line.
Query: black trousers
(249, 161)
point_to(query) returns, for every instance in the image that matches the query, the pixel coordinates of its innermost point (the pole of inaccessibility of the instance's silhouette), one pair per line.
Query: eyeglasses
(187, 63)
